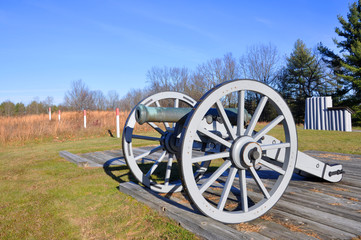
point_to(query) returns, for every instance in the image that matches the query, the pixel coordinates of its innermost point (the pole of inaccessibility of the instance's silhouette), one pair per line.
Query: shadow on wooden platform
(307, 210)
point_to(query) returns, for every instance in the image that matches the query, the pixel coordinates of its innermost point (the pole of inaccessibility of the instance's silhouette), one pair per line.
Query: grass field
(29, 128)
(329, 141)
(45, 197)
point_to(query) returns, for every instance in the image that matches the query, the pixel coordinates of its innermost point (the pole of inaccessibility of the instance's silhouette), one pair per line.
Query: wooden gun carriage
(217, 152)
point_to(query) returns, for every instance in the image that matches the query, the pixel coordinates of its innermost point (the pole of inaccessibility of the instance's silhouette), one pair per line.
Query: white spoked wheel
(153, 166)
(242, 182)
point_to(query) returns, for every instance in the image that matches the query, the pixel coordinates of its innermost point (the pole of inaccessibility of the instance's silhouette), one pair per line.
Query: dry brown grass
(247, 227)
(21, 129)
(316, 190)
(341, 189)
(335, 204)
(291, 226)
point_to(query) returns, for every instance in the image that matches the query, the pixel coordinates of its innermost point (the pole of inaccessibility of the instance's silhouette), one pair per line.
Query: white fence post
(118, 129)
(49, 113)
(59, 115)
(84, 118)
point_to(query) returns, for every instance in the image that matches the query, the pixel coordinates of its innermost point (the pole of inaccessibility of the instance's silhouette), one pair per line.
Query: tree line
(303, 75)
(305, 72)
(8, 108)
(79, 97)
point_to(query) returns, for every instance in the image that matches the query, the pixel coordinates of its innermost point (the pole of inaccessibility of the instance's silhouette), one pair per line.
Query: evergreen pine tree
(347, 65)
(303, 77)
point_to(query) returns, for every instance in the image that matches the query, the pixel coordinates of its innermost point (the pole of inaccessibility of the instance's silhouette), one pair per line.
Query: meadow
(29, 128)
(43, 196)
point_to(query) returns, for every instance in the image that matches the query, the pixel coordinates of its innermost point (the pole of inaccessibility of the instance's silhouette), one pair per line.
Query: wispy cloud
(173, 22)
(148, 40)
(183, 25)
(264, 21)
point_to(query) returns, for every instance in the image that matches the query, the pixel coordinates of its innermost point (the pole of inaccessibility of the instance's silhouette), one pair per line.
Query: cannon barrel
(145, 114)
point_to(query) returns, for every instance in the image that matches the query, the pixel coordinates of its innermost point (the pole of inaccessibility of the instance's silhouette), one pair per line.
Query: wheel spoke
(240, 116)
(155, 165)
(273, 167)
(227, 188)
(176, 105)
(215, 176)
(145, 137)
(259, 182)
(168, 170)
(148, 153)
(225, 119)
(268, 127)
(243, 188)
(156, 127)
(166, 125)
(275, 146)
(256, 116)
(201, 168)
(214, 137)
(210, 157)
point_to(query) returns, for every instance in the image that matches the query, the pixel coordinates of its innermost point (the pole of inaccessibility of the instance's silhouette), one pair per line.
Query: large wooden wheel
(242, 182)
(154, 166)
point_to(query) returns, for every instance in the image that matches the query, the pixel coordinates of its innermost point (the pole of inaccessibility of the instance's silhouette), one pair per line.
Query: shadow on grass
(119, 173)
(122, 174)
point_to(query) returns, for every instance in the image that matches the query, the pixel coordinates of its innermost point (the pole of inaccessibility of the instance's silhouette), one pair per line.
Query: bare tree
(113, 100)
(180, 79)
(79, 97)
(99, 100)
(132, 98)
(168, 79)
(160, 79)
(230, 67)
(260, 62)
(211, 72)
(216, 71)
(196, 86)
(48, 102)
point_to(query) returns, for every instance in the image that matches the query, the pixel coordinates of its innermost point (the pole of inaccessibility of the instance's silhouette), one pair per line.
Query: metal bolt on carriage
(226, 159)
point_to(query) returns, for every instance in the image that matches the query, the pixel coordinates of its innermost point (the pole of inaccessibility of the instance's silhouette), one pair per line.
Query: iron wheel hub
(245, 153)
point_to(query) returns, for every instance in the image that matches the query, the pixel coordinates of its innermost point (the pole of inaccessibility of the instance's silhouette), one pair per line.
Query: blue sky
(110, 45)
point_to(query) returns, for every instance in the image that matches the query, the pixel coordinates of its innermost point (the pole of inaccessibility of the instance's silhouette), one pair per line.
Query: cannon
(233, 167)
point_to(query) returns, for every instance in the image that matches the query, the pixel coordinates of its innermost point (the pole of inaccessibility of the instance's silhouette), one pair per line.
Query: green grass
(45, 197)
(329, 141)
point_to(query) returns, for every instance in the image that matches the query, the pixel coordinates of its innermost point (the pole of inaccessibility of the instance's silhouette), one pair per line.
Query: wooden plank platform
(309, 209)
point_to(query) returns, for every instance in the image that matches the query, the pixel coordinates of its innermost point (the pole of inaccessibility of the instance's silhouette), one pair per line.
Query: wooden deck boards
(309, 209)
